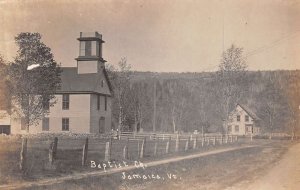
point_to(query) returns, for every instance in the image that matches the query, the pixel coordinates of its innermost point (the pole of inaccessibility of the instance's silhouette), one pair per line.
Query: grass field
(219, 171)
(69, 155)
(227, 166)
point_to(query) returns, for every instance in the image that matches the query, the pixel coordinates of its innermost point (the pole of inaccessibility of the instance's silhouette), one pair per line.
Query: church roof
(72, 82)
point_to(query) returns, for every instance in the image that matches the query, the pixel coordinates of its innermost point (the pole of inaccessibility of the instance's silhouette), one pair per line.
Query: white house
(242, 121)
(84, 101)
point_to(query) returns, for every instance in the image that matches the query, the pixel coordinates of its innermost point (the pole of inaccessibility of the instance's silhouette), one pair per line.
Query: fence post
(231, 138)
(85, 151)
(110, 146)
(125, 152)
(187, 144)
(138, 148)
(168, 145)
(221, 139)
(107, 152)
(208, 140)
(203, 138)
(23, 154)
(214, 141)
(155, 146)
(143, 148)
(195, 142)
(177, 143)
(51, 153)
(53, 150)
(55, 147)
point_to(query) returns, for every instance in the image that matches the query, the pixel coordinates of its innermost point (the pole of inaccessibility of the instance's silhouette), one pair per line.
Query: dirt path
(285, 175)
(51, 181)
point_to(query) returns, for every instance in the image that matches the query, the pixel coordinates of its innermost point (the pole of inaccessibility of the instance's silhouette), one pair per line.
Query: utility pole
(223, 32)
(154, 107)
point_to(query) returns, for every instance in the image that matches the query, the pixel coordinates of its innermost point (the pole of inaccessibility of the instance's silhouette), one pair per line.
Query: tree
(290, 86)
(178, 95)
(141, 103)
(120, 78)
(272, 106)
(202, 104)
(229, 82)
(33, 91)
(4, 91)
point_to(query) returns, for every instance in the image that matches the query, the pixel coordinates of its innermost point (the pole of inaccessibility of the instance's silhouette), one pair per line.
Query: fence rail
(166, 136)
(130, 147)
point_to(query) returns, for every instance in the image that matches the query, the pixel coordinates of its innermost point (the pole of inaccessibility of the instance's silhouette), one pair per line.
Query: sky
(161, 35)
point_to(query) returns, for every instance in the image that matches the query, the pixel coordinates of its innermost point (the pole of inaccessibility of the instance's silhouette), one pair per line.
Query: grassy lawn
(69, 155)
(69, 162)
(218, 171)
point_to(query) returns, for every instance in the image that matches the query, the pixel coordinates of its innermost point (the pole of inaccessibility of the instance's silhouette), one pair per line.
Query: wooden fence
(129, 147)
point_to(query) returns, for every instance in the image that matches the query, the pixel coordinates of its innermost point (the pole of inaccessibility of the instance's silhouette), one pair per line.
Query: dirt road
(284, 176)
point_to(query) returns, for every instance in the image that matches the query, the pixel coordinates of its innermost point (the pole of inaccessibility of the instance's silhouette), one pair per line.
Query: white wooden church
(84, 100)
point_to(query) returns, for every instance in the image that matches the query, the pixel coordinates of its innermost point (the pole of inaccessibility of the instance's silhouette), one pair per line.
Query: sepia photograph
(150, 94)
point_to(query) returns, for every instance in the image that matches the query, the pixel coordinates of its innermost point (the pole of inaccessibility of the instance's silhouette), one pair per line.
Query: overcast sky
(162, 35)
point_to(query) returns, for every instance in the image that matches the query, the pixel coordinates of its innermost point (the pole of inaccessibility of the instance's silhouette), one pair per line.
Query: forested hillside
(172, 102)
(194, 101)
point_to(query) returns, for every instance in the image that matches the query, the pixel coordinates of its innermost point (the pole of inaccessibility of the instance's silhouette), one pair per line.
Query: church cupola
(90, 53)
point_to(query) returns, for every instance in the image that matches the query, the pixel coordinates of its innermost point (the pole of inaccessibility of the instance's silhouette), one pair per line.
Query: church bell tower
(90, 53)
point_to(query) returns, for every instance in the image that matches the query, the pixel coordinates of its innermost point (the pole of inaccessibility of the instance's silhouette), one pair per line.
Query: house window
(249, 129)
(102, 83)
(65, 124)
(105, 99)
(236, 128)
(229, 128)
(246, 117)
(66, 102)
(238, 118)
(45, 124)
(98, 102)
(23, 124)
(46, 104)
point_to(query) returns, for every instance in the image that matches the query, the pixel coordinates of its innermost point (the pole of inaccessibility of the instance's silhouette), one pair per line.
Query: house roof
(73, 82)
(249, 111)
